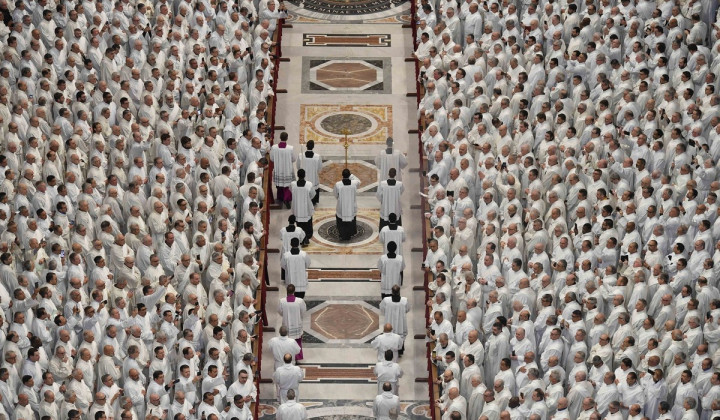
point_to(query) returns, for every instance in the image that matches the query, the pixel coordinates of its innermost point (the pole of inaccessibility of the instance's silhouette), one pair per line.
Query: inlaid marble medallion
(346, 75)
(329, 232)
(353, 123)
(366, 124)
(355, 11)
(398, 15)
(325, 243)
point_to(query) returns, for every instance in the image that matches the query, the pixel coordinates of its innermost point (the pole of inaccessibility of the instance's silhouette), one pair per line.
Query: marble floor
(346, 61)
(348, 11)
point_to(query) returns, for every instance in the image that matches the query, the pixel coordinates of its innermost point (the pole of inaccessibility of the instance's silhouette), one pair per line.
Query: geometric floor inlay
(299, 15)
(367, 124)
(329, 232)
(346, 40)
(344, 321)
(346, 75)
(321, 274)
(355, 124)
(346, 7)
(348, 12)
(347, 409)
(364, 170)
(324, 219)
(319, 373)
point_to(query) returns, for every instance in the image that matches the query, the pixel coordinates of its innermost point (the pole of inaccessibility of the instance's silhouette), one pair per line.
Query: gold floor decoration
(368, 124)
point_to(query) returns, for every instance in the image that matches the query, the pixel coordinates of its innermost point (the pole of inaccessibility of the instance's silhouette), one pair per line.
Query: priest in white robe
(656, 391)
(292, 310)
(393, 232)
(390, 159)
(291, 409)
(295, 263)
(476, 402)
(389, 193)
(311, 163)
(388, 340)
(391, 266)
(346, 211)
(302, 204)
(287, 377)
(282, 345)
(283, 158)
(497, 349)
(388, 371)
(286, 236)
(386, 405)
(395, 309)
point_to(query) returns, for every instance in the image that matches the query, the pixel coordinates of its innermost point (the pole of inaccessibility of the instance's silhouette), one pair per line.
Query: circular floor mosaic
(328, 231)
(354, 123)
(347, 7)
(324, 123)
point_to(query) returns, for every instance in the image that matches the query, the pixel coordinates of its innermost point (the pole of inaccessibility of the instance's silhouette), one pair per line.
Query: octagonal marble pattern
(344, 321)
(346, 75)
(351, 75)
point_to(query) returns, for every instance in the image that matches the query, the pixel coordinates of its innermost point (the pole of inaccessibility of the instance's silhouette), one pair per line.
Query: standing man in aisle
(295, 263)
(287, 378)
(283, 157)
(395, 309)
(388, 371)
(387, 404)
(388, 340)
(390, 159)
(282, 345)
(393, 233)
(302, 205)
(346, 210)
(292, 310)
(391, 268)
(287, 234)
(311, 162)
(291, 409)
(389, 194)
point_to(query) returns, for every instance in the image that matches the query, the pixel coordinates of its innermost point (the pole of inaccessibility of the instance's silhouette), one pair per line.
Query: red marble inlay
(315, 274)
(341, 321)
(347, 75)
(315, 373)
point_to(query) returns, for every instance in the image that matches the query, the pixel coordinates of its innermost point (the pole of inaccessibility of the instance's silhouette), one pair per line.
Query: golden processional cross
(346, 145)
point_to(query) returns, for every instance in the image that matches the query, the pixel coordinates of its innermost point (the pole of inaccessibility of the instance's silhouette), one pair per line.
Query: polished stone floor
(347, 11)
(344, 291)
(346, 75)
(351, 410)
(331, 123)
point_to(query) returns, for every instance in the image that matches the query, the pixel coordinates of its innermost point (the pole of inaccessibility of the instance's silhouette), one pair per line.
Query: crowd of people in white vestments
(573, 150)
(133, 140)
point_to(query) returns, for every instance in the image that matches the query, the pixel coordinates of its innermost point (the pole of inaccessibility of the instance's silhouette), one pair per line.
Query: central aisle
(354, 77)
